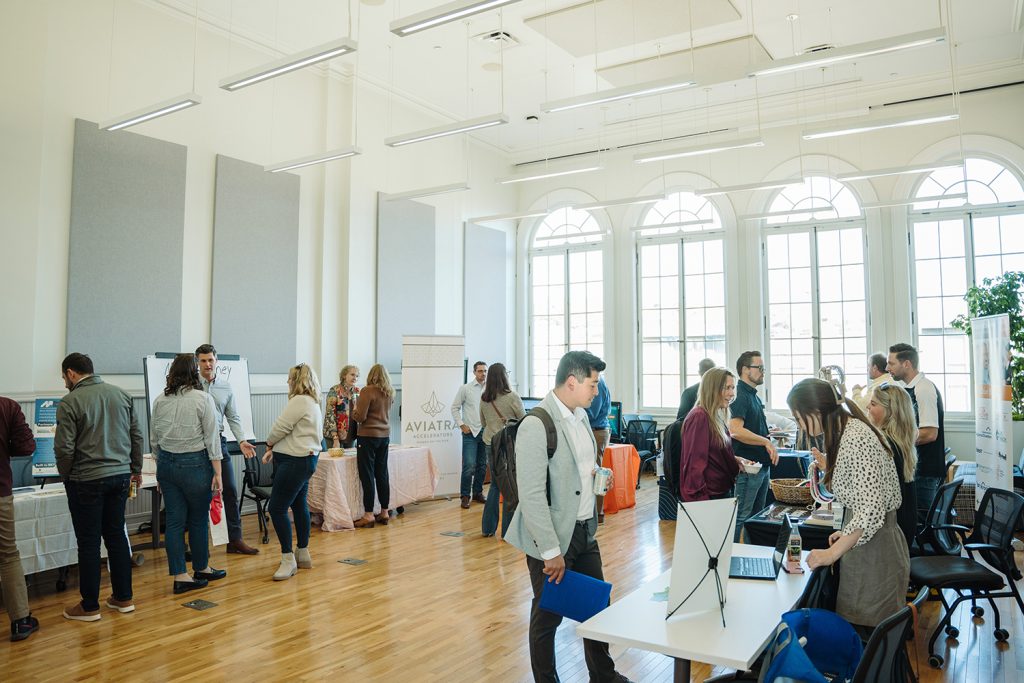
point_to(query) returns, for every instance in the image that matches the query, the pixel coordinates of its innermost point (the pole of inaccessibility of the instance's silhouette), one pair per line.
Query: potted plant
(1003, 294)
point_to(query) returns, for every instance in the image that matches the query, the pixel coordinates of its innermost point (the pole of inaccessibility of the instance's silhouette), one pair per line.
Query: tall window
(956, 247)
(567, 293)
(815, 279)
(679, 259)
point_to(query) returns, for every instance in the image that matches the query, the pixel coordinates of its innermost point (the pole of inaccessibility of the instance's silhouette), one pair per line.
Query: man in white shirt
(466, 414)
(931, 440)
(877, 374)
(556, 519)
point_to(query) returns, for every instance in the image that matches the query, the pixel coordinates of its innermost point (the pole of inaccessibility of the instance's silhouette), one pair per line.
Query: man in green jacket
(98, 449)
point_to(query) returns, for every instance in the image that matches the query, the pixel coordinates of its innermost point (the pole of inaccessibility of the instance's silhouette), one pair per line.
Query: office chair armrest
(959, 528)
(983, 546)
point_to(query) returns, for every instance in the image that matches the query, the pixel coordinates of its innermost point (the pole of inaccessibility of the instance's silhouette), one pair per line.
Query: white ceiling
(457, 75)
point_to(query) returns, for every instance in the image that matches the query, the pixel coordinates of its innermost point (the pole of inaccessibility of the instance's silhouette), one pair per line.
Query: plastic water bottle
(794, 547)
(837, 515)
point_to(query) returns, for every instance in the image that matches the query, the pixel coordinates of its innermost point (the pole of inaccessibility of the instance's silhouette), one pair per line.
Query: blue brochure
(578, 596)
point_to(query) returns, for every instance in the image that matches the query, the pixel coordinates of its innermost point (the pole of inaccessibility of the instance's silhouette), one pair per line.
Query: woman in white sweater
(294, 445)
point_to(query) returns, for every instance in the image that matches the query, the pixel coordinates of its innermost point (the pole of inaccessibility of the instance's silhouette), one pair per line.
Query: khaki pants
(12, 576)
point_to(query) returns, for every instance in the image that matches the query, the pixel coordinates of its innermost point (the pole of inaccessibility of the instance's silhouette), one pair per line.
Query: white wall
(991, 126)
(71, 65)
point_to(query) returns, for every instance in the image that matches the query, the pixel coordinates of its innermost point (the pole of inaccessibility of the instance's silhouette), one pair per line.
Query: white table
(752, 611)
(336, 494)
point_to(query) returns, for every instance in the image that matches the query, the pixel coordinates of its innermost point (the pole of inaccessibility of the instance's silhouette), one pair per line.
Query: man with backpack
(556, 518)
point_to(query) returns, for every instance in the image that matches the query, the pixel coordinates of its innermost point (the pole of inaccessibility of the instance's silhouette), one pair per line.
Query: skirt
(873, 577)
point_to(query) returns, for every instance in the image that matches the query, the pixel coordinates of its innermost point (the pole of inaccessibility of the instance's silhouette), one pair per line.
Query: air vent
(818, 48)
(497, 38)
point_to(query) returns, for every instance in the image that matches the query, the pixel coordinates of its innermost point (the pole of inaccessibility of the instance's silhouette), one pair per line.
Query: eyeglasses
(757, 367)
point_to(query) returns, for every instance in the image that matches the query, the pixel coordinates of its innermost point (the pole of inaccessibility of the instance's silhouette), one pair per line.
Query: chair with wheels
(939, 535)
(885, 658)
(256, 484)
(991, 539)
(643, 435)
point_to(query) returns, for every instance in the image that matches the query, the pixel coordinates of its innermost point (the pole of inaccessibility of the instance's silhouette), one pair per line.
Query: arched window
(815, 280)
(566, 292)
(956, 246)
(681, 295)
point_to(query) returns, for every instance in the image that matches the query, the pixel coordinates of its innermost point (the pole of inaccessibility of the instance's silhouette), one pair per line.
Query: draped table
(336, 494)
(623, 460)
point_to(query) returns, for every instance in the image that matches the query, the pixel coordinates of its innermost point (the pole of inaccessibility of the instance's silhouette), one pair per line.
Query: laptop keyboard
(750, 566)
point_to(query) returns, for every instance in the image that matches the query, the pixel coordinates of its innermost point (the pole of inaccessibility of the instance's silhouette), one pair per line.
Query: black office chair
(885, 658)
(992, 539)
(939, 535)
(950, 464)
(258, 479)
(643, 435)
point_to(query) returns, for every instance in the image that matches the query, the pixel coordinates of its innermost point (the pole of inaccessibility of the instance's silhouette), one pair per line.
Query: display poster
(992, 399)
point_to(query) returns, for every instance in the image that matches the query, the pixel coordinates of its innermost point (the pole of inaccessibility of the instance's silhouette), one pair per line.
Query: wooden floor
(424, 607)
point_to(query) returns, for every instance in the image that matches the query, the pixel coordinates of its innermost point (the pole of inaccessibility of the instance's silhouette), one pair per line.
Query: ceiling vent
(818, 48)
(497, 39)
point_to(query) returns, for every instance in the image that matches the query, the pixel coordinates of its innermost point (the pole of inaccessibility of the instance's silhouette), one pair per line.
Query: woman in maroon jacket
(707, 466)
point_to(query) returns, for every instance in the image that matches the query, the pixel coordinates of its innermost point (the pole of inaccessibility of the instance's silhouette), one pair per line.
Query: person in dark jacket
(16, 441)
(689, 397)
(707, 466)
(98, 448)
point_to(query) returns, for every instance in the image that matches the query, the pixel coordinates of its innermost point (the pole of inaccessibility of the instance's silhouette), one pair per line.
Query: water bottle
(837, 515)
(793, 549)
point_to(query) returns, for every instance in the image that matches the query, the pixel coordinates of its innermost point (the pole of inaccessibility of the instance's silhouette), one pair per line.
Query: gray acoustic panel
(405, 276)
(485, 312)
(255, 265)
(125, 247)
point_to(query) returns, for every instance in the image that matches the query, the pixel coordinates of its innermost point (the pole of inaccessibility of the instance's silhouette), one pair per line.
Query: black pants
(583, 556)
(229, 494)
(372, 460)
(97, 509)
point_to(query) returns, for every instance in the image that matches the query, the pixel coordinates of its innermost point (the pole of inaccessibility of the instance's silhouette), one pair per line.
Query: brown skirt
(873, 577)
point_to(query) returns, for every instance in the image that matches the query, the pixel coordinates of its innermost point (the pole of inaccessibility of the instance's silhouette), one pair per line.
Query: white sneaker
(287, 569)
(302, 558)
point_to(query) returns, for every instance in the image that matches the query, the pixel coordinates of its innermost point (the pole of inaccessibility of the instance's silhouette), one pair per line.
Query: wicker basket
(788, 491)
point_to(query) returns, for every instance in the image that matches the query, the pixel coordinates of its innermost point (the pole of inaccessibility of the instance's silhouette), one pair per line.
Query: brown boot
(465, 502)
(240, 547)
(479, 498)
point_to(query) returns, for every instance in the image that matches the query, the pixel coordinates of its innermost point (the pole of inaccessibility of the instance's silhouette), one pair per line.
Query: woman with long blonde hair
(892, 412)
(707, 465)
(374, 432)
(294, 445)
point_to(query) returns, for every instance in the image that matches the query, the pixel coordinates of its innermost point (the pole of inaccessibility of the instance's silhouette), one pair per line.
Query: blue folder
(578, 596)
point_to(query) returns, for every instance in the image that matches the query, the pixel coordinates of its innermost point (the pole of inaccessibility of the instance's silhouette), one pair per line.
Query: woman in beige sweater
(374, 431)
(498, 405)
(294, 445)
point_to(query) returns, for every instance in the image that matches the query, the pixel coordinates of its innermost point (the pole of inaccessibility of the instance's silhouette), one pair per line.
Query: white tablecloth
(42, 525)
(336, 494)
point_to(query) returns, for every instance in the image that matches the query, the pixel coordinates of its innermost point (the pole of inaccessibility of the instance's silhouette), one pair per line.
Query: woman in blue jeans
(498, 405)
(184, 438)
(294, 445)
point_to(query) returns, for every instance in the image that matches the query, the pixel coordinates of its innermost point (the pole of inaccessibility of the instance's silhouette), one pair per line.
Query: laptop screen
(782, 543)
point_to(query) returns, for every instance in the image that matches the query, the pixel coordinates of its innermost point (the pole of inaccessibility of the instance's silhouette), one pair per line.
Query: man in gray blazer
(556, 531)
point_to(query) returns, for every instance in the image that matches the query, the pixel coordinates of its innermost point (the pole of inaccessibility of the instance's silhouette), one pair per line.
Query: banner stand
(993, 394)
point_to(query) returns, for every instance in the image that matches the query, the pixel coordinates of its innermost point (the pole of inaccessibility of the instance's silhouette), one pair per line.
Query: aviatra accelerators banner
(992, 395)
(432, 372)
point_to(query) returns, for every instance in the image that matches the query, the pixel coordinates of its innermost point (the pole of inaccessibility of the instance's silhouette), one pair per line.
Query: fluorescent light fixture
(447, 129)
(747, 188)
(289, 63)
(680, 224)
(312, 159)
(614, 94)
(509, 216)
(816, 60)
(649, 199)
(915, 200)
(924, 168)
(153, 111)
(426, 192)
(453, 11)
(853, 127)
(697, 151)
(540, 175)
(797, 212)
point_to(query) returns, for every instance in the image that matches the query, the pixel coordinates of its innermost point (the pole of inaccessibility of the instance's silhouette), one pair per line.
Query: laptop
(763, 568)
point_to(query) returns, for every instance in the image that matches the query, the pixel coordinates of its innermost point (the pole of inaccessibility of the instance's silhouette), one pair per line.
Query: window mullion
(815, 301)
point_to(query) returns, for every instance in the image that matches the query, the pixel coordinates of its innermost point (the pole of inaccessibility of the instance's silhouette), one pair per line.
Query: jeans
(232, 505)
(474, 464)
(291, 482)
(926, 489)
(12, 576)
(489, 521)
(372, 461)
(752, 492)
(97, 510)
(583, 556)
(185, 480)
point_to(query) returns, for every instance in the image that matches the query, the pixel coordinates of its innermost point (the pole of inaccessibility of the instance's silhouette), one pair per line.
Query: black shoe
(211, 574)
(400, 510)
(186, 586)
(188, 555)
(23, 628)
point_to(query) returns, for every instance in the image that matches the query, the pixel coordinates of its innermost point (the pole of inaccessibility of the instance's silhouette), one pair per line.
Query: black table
(763, 528)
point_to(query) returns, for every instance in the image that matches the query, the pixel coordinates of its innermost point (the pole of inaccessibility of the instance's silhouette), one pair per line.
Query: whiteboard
(233, 369)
